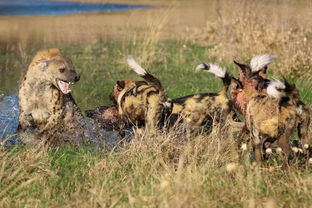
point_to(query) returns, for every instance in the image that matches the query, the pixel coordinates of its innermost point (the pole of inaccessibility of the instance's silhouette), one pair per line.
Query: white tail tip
(200, 67)
(260, 61)
(135, 66)
(212, 68)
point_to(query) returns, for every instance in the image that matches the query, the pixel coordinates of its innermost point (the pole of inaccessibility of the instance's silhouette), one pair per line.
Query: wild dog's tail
(277, 86)
(260, 62)
(143, 73)
(217, 71)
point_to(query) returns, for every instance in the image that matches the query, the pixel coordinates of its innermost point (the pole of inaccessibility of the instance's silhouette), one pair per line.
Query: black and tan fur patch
(196, 110)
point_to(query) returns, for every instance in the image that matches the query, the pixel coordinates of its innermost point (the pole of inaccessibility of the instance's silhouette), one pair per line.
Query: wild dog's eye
(62, 70)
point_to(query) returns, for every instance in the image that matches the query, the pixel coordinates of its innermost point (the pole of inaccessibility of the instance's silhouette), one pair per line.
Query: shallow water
(46, 7)
(8, 115)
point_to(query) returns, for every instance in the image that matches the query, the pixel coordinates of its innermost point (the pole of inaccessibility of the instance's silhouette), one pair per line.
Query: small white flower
(294, 149)
(310, 161)
(268, 151)
(300, 150)
(306, 146)
(278, 150)
(244, 147)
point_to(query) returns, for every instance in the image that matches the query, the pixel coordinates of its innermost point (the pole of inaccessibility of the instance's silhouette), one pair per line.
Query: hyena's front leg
(51, 122)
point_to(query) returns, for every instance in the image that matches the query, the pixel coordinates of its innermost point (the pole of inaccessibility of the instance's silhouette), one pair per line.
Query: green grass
(149, 172)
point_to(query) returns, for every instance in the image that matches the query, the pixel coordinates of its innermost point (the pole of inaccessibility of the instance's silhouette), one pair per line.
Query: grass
(166, 170)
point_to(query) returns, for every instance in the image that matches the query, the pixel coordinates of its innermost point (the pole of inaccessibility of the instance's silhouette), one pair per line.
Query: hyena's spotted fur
(48, 112)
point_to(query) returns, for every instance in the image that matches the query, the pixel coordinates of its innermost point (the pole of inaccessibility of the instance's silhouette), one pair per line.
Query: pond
(47, 7)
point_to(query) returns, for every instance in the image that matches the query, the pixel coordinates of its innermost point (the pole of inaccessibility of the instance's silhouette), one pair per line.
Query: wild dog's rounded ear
(236, 84)
(289, 87)
(121, 84)
(262, 83)
(244, 68)
(43, 64)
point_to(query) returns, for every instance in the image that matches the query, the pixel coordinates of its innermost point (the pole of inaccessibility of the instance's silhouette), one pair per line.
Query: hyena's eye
(62, 70)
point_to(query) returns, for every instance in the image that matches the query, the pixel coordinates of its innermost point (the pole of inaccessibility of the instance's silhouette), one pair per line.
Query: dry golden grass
(275, 28)
(164, 171)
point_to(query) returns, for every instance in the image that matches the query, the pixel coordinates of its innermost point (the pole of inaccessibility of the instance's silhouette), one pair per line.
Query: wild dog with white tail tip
(143, 103)
(271, 117)
(253, 81)
(201, 110)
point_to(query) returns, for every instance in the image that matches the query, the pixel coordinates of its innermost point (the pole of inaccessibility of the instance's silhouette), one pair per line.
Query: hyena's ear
(245, 69)
(121, 84)
(43, 64)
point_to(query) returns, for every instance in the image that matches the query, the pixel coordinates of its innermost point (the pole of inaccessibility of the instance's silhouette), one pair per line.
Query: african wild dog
(107, 116)
(143, 103)
(201, 110)
(253, 80)
(271, 117)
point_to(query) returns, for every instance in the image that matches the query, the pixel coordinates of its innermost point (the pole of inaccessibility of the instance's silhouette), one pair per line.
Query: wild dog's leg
(283, 142)
(303, 128)
(243, 137)
(122, 125)
(256, 142)
(153, 113)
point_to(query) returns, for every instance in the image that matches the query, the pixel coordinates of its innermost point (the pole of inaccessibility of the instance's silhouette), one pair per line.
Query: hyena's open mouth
(64, 86)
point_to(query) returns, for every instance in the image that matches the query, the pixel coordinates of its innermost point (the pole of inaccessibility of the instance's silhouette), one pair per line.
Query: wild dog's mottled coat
(272, 118)
(141, 103)
(201, 109)
(253, 81)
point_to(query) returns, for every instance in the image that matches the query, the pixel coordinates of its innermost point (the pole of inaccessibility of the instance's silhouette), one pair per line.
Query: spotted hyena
(47, 109)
